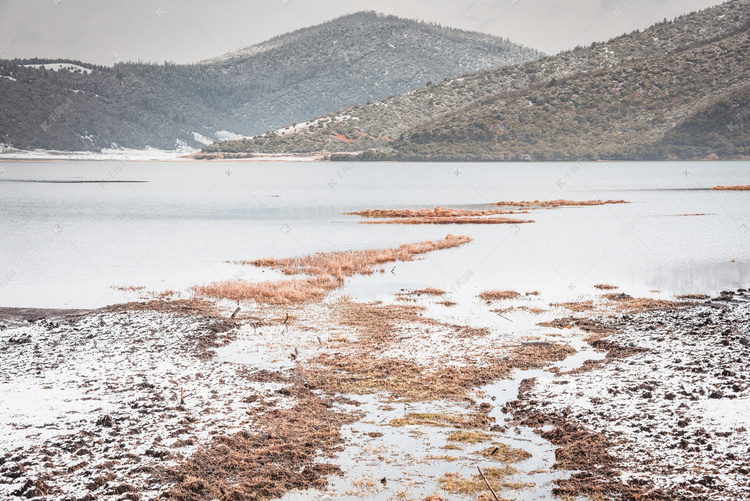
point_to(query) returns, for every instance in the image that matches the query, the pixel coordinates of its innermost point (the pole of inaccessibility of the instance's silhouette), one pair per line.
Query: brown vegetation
(438, 212)
(456, 484)
(427, 291)
(627, 303)
(538, 204)
(495, 295)
(360, 367)
(323, 272)
(605, 287)
(732, 188)
(434, 419)
(504, 453)
(577, 306)
(449, 220)
(277, 457)
(692, 296)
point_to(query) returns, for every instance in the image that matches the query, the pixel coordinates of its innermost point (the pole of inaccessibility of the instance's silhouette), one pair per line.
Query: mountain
(659, 93)
(70, 105)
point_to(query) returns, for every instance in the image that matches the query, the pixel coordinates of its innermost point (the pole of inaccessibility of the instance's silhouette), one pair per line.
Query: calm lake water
(65, 243)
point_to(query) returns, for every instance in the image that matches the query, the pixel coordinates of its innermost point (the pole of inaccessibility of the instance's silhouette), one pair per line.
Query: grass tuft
(322, 272)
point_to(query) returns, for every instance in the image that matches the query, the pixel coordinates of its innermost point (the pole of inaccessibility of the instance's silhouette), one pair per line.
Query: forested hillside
(617, 99)
(353, 59)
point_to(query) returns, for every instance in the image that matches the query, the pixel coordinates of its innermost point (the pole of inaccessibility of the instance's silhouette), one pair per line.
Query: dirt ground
(192, 400)
(664, 416)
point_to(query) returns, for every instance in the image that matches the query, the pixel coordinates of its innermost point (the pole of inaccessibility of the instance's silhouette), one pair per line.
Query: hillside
(548, 103)
(353, 59)
(675, 106)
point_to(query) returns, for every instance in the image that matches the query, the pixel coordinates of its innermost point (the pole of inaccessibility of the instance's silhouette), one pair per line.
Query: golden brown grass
(577, 306)
(732, 188)
(323, 272)
(294, 290)
(341, 264)
(437, 212)
(469, 437)
(545, 204)
(130, 288)
(430, 419)
(449, 220)
(497, 295)
(531, 309)
(360, 367)
(692, 296)
(429, 291)
(504, 453)
(457, 484)
(629, 304)
(605, 287)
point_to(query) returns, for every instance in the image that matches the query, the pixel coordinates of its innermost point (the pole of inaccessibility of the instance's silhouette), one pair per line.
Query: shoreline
(334, 396)
(167, 156)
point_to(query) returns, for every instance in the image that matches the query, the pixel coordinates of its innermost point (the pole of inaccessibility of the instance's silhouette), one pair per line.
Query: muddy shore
(178, 400)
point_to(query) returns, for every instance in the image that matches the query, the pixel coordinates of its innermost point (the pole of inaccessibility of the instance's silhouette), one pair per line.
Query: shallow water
(72, 244)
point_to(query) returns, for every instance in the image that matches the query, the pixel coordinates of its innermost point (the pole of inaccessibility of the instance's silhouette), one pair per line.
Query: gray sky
(184, 31)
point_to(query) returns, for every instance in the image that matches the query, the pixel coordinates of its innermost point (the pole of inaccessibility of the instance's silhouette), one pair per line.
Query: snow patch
(73, 68)
(225, 135)
(201, 138)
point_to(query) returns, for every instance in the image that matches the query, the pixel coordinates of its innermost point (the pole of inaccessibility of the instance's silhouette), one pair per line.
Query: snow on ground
(89, 402)
(678, 410)
(59, 66)
(225, 135)
(125, 154)
(201, 138)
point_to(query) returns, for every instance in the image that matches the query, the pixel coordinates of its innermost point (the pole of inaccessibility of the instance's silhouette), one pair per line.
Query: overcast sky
(184, 31)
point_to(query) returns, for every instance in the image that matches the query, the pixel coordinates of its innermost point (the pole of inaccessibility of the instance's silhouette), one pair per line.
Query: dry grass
(693, 296)
(341, 264)
(629, 304)
(449, 220)
(496, 295)
(457, 484)
(504, 453)
(531, 309)
(732, 188)
(605, 287)
(577, 306)
(277, 456)
(276, 292)
(130, 288)
(360, 367)
(438, 212)
(429, 291)
(431, 419)
(546, 204)
(469, 437)
(323, 272)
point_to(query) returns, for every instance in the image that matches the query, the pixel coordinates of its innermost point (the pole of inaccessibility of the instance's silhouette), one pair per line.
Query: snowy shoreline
(146, 155)
(129, 398)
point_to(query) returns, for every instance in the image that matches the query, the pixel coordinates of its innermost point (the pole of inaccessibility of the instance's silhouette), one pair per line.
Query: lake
(171, 225)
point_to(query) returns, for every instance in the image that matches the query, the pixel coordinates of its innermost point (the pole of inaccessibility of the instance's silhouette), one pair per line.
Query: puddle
(381, 462)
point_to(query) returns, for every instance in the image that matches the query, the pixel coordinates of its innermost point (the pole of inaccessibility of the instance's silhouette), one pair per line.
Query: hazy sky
(183, 31)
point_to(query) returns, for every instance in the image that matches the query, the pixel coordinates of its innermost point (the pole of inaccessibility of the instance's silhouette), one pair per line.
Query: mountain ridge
(353, 59)
(379, 126)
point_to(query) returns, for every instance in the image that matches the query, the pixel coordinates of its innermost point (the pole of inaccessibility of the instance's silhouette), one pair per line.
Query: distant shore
(153, 155)
(148, 155)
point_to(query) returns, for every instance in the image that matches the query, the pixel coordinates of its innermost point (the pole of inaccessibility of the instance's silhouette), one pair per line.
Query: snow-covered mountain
(351, 60)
